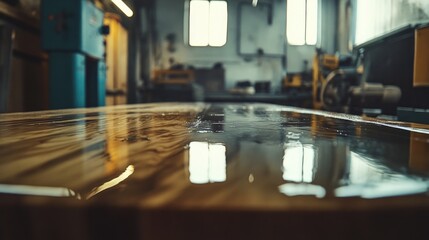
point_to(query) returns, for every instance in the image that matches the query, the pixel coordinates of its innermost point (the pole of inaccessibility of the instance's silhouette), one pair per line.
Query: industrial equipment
(400, 58)
(343, 91)
(323, 65)
(292, 81)
(72, 34)
(176, 85)
(340, 85)
(298, 82)
(182, 77)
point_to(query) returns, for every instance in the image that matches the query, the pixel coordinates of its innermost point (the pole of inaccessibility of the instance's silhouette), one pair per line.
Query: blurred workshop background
(356, 56)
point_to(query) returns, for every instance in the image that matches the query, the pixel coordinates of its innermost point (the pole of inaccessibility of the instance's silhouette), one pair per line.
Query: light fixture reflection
(302, 189)
(298, 162)
(113, 182)
(361, 171)
(368, 181)
(383, 189)
(37, 191)
(207, 162)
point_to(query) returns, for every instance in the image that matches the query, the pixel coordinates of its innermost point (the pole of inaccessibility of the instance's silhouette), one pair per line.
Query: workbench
(211, 171)
(295, 98)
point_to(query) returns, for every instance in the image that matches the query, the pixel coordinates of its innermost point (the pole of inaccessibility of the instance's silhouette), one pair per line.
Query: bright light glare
(382, 189)
(124, 8)
(302, 189)
(311, 34)
(368, 181)
(295, 22)
(207, 162)
(217, 165)
(302, 21)
(364, 17)
(208, 23)
(298, 163)
(128, 172)
(361, 172)
(198, 162)
(372, 19)
(218, 23)
(199, 23)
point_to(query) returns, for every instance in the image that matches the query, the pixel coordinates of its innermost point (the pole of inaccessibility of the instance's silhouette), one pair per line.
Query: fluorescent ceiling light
(254, 3)
(124, 8)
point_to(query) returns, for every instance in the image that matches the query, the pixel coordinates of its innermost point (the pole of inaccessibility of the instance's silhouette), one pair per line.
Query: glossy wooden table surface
(219, 171)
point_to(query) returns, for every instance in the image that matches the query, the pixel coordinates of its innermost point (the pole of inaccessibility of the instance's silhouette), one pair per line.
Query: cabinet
(117, 61)
(421, 57)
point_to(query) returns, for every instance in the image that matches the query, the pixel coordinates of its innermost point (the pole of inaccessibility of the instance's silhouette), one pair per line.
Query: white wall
(170, 19)
(375, 18)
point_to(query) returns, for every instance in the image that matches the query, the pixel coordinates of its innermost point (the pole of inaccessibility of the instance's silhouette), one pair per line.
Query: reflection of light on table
(302, 189)
(37, 191)
(298, 163)
(361, 171)
(369, 181)
(113, 182)
(207, 162)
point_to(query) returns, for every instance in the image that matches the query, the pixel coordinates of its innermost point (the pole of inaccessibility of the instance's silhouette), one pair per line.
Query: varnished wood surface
(185, 171)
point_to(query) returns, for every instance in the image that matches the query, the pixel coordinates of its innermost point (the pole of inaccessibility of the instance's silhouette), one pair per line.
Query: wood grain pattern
(184, 171)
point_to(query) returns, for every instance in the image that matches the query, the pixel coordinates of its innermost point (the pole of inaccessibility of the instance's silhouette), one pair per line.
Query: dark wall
(390, 60)
(28, 71)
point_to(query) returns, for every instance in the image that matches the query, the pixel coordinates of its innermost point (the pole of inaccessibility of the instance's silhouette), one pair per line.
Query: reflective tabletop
(211, 171)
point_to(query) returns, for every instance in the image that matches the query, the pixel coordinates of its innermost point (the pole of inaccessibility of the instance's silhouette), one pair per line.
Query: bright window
(207, 162)
(298, 163)
(302, 21)
(208, 22)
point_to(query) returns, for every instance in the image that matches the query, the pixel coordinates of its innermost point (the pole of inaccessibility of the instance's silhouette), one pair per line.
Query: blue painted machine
(72, 33)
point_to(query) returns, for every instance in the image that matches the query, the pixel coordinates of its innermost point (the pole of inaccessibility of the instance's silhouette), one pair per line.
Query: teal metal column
(72, 31)
(66, 80)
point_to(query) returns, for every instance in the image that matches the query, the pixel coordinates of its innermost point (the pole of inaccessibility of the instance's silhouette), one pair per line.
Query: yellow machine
(322, 65)
(338, 86)
(293, 81)
(298, 81)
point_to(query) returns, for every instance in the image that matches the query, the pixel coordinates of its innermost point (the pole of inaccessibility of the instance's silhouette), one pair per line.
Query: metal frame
(6, 34)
